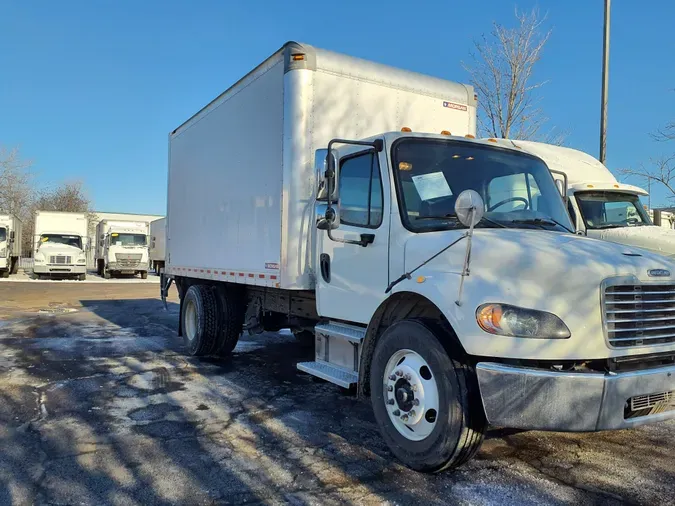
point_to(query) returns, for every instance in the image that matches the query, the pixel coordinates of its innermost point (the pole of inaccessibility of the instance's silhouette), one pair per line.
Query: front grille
(60, 260)
(639, 315)
(128, 260)
(650, 404)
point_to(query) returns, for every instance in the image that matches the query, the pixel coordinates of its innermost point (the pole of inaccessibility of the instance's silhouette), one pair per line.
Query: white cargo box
(157, 243)
(241, 177)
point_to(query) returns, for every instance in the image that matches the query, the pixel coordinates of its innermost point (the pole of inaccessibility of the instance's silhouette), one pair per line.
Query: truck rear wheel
(106, 273)
(200, 320)
(231, 321)
(425, 401)
(144, 275)
(15, 266)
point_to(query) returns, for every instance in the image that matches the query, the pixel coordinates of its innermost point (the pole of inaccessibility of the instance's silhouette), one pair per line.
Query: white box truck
(122, 248)
(308, 197)
(59, 245)
(157, 248)
(600, 206)
(11, 229)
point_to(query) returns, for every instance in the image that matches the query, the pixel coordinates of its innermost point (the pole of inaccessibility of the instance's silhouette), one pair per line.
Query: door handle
(324, 262)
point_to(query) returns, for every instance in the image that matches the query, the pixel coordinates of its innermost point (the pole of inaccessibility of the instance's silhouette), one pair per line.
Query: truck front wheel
(426, 402)
(144, 274)
(200, 320)
(15, 266)
(4, 273)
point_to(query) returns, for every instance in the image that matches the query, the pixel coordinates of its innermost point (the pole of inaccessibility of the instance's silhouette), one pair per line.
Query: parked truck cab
(60, 244)
(10, 244)
(600, 206)
(122, 248)
(426, 282)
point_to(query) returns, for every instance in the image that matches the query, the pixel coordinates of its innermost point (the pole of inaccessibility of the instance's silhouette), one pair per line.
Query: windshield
(127, 239)
(517, 188)
(69, 240)
(611, 210)
(3, 234)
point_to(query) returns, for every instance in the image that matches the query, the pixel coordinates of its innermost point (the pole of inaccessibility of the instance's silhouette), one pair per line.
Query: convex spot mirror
(469, 208)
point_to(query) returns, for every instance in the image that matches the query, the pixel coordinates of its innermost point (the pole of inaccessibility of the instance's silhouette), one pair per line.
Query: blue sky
(91, 89)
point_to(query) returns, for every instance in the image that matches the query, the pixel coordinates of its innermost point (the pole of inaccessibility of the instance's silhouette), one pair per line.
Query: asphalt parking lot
(99, 405)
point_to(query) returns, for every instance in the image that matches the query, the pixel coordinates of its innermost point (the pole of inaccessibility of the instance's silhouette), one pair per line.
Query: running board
(337, 352)
(331, 373)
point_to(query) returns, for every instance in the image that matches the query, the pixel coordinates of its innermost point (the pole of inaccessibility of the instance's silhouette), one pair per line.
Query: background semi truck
(600, 206)
(59, 244)
(157, 247)
(11, 229)
(308, 197)
(122, 248)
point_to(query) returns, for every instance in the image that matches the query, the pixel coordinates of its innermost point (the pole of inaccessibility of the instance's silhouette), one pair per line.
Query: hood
(650, 237)
(529, 267)
(548, 271)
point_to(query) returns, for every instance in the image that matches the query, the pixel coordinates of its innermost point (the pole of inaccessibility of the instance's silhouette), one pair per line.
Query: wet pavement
(99, 405)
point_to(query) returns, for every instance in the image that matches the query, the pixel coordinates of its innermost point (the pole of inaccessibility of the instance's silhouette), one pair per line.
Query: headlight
(81, 260)
(38, 260)
(506, 320)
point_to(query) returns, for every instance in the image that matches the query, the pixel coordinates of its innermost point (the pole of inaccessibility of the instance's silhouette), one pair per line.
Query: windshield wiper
(454, 216)
(541, 221)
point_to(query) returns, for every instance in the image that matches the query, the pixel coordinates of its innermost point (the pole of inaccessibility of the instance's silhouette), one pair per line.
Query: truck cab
(122, 249)
(600, 206)
(10, 244)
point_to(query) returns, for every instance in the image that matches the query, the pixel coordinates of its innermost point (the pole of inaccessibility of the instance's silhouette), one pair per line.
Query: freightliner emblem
(658, 273)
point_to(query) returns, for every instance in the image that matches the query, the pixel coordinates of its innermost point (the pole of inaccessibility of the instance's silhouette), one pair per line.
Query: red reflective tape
(250, 275)
(207, 272)
(223, 273)
(273, 276)
(201, 270)
(241, 274)
(231, 273)
(261, 276)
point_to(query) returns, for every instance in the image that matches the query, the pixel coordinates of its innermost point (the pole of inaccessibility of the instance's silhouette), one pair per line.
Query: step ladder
(337, 353)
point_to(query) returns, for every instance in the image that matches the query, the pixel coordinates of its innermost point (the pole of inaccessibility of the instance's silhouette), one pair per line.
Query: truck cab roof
(584, 172)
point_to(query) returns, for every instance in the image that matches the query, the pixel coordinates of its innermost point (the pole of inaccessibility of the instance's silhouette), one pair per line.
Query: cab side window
(360, 191)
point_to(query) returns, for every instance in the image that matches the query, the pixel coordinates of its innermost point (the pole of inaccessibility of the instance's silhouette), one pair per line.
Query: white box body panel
(241, 171)
(157, 241)
(55, 222)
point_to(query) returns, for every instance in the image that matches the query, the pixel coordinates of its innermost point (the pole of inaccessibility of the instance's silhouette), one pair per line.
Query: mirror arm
(564, 176)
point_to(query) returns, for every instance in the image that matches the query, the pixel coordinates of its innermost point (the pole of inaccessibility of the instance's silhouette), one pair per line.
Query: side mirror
(320, 167)
(11, 235)
(561, 188)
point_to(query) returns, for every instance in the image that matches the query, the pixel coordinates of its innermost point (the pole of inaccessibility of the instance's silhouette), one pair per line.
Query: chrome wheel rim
(411, 395)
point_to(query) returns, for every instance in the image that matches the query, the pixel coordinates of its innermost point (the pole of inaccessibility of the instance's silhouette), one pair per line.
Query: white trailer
(122, 248)
(300, 198)
(158, 244)
(11, 229)
(60, 244)
(600, 206)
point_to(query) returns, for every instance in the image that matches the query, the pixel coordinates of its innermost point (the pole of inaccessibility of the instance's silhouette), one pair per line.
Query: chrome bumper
(525, 398)
(128, 267)
(59, 269)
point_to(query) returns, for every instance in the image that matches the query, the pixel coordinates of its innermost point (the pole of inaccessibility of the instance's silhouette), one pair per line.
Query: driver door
(351, 279)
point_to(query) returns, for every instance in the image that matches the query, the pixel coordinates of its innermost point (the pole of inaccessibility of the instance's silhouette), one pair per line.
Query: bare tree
(16, 183)
(501, 71)
(661, 170)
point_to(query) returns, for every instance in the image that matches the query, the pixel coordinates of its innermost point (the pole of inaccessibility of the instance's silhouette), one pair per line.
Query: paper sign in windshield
(432, 186)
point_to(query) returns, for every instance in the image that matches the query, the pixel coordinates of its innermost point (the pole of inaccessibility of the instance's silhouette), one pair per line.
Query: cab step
(328, 372)
(337, 353)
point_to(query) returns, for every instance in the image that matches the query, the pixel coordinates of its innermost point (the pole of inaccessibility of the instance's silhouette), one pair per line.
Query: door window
(360, 191)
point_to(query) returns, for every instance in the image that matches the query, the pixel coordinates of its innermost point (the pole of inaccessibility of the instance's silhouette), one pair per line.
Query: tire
(199, 319)
(81, 277)
(144, 275)
(4, 274)
(304, 337)
(15, 266)
(454, 434)
(230, 322)
(106, 273)
(99, 267)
